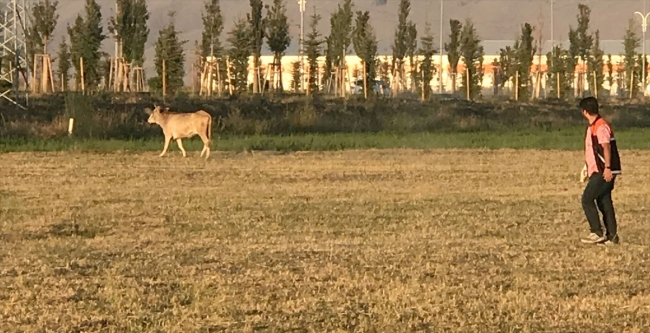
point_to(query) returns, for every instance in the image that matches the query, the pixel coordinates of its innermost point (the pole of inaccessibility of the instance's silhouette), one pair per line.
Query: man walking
(603, 164)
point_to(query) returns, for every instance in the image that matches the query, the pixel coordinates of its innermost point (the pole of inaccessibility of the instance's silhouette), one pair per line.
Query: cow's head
(154, 115)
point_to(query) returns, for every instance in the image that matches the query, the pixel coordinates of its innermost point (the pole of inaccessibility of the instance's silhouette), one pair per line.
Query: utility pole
(302, 3)
(442, 8)
(552, 36)
(644, 26)
(14, 45)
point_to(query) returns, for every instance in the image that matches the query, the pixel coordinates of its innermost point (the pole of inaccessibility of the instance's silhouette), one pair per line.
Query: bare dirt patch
(352, 241)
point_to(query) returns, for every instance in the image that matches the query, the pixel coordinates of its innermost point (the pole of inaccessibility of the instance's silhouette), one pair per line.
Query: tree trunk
(256, 81)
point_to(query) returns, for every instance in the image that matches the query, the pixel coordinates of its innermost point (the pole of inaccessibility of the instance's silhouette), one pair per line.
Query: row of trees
(350, 31)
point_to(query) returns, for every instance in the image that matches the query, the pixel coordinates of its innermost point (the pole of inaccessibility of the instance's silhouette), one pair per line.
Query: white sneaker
(593, 239)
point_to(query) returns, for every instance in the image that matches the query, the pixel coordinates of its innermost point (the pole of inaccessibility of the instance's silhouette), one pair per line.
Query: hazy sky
(497, 21)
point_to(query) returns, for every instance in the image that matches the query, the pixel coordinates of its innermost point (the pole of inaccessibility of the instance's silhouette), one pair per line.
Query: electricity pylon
(13, 26)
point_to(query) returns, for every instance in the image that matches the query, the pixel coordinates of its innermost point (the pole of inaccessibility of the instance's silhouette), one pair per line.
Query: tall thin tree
(256, 22)
(452, 49)
(170, 48)
(240, 50)
(399, 46)
(277, 33)
(427, 69)
(86, 36)
(313, 49)
(365, 45)
(472, 53)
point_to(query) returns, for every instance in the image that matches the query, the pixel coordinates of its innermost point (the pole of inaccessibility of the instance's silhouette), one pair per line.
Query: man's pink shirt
(604, 135)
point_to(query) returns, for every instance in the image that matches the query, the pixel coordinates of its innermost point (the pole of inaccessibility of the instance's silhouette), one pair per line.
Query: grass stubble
(348, 241)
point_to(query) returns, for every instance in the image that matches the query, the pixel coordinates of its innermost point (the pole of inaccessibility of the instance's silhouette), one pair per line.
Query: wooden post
(422, 97)
(83, 79)
(517, 86)
(229, 76)
(219, 87)
(365, 81)
(468, 80)
(343, 77)
(595, 85)
(308, 87)
(631, 84)
(164, 78)
(557, 82)
(34, 76)
(210, 86)
(49, 67)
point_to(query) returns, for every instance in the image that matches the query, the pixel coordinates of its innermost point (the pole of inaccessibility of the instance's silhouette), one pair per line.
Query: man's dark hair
(589, 104)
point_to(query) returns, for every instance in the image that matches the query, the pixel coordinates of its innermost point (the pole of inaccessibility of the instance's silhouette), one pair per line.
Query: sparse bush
(101, 117)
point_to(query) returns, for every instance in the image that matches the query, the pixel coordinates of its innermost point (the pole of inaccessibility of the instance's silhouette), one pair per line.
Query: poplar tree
(313, 49)
(580, 41)
(365, 45)
(472, 53)
(44, 19)
(631, 42)
(211, 37)
(256, 23)
(596, 65)
(399, 46)
(341, 32)
(86, 36)
(452, 49)
(212, 28)
(507, 63)
(277, 32)
(63, 62)
(171, 49)
(129, 27)
(559, 62)
(240, 50)
(427, 69)
(411, 48)
(525, 50)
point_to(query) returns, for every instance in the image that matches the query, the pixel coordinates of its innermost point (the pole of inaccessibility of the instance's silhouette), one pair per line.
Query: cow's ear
(148, 111)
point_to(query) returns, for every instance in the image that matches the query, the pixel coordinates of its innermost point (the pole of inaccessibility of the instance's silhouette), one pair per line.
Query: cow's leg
(168, 139)
(206, 145)
(180, 145)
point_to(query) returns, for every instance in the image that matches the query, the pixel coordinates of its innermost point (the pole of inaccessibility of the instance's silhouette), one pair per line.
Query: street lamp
(302, 38)
(441, 46)
(552, 36)
(644, 25)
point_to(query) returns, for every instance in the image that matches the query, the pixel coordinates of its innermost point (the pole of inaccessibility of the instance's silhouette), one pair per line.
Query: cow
(177, 126)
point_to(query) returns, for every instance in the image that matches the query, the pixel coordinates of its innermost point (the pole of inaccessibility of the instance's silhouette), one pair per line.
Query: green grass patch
(561, 139)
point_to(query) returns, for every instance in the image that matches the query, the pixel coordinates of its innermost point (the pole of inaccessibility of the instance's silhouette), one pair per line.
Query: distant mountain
(498, 22)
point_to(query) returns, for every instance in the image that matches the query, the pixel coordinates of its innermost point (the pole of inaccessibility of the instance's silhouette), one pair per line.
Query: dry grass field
(349, 241)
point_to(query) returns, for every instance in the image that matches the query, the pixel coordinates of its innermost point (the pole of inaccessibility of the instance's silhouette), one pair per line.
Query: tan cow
(176, 125)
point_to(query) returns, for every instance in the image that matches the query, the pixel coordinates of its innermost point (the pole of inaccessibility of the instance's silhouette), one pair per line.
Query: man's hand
(607, 152)
(607, 174)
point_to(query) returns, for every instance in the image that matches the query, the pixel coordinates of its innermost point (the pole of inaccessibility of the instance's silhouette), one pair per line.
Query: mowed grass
(348, 241)
(562, 139)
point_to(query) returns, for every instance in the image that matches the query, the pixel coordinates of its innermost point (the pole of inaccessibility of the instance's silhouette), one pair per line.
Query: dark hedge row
(123, 117)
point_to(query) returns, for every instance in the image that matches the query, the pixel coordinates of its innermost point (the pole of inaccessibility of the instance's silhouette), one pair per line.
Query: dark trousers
(598, 196)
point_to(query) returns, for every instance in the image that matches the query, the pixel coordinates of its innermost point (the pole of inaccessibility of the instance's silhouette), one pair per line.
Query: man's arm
(607, 154)
(604, 137)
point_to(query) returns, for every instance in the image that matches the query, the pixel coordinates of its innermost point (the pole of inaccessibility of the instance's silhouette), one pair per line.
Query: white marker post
(70, 126)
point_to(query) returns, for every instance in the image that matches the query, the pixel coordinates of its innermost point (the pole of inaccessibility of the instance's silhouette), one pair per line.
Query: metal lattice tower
(13, 26)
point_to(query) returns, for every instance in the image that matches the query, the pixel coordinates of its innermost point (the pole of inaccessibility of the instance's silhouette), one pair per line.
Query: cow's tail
(209, 130)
